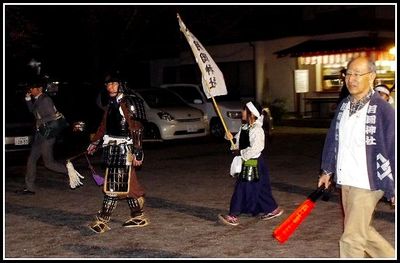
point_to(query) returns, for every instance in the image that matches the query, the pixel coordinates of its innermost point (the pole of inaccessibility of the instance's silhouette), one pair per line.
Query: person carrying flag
(252, 193)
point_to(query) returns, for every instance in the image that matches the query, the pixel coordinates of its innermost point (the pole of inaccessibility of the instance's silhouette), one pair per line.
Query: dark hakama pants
(254, 197)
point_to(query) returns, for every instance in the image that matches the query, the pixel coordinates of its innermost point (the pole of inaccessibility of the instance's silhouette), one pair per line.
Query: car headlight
(234, 114)
(165, 116)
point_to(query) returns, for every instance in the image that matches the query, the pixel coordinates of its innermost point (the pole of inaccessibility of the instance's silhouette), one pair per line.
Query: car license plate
(192, 129)
(22, 140)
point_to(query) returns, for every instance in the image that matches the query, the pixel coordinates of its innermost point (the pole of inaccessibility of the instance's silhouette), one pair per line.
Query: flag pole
(220, 116)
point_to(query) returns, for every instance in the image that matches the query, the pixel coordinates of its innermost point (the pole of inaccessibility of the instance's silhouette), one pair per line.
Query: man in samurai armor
(120, 135)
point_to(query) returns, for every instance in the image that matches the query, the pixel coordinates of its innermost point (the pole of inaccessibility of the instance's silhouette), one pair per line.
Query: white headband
(382, 89)
(253, 109)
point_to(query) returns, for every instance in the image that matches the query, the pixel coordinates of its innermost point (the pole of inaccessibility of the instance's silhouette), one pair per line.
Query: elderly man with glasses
(359, 153)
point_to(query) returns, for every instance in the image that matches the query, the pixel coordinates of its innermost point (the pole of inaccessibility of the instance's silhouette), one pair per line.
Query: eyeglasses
(356, 75)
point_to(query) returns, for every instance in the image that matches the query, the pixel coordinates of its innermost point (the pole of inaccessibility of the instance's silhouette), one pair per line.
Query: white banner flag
(212, 78)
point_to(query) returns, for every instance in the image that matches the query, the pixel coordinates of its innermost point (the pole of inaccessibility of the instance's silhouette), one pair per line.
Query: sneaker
(277, 212)
(25, 192)
(229, 220)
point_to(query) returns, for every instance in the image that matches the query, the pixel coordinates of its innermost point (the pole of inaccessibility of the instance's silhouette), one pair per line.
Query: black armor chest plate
(116, 124)
(244, 140)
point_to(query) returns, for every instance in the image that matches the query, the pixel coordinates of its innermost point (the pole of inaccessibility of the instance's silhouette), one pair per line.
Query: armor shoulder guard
(135, 106)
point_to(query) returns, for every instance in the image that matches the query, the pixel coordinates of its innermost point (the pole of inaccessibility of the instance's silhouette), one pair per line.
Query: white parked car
(231, 111)
(169, 117)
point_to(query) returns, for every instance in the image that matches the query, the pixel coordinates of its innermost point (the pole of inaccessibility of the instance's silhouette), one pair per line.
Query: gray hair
(371, 64)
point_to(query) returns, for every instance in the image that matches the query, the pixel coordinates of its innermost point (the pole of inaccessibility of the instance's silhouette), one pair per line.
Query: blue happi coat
(379, 141)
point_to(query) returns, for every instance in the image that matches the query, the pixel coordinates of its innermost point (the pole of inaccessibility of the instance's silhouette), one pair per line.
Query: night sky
(84, 41)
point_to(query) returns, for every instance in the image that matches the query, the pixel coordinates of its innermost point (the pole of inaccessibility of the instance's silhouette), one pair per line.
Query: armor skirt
(118, 160)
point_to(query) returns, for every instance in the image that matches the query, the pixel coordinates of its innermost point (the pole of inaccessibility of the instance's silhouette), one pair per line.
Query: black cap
(36, 81)
(112, 78)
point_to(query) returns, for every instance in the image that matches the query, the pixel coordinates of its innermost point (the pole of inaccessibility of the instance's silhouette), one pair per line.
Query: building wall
(220, 53)
(274, 77)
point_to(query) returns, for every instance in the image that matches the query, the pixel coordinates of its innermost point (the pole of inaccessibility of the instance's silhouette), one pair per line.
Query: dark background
(83, 42)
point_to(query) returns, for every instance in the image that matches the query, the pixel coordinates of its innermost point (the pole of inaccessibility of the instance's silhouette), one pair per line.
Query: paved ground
(187, 185)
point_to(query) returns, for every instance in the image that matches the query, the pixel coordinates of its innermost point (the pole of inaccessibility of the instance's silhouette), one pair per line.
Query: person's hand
(228, 136)
(138, 157)
(91, 148)
(136, 162)
(324, 179)
(28, 95)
